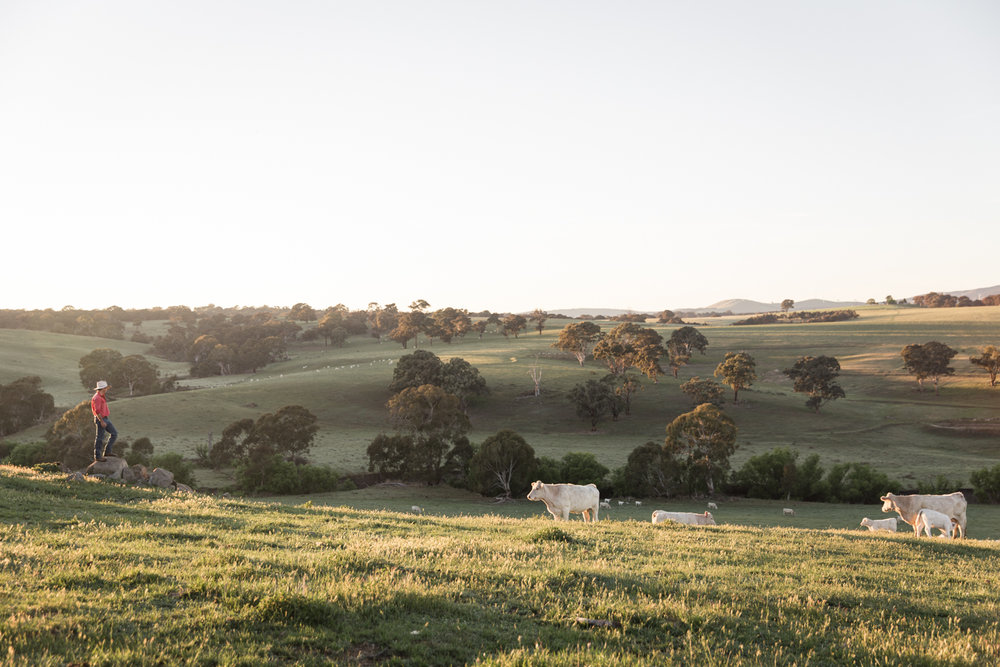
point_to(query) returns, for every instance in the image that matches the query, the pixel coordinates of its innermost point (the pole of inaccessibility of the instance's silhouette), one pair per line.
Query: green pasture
(99, 574)
(883, 420)
(984, 520)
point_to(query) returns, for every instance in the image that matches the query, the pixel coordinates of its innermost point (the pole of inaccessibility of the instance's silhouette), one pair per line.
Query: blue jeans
(99, 448)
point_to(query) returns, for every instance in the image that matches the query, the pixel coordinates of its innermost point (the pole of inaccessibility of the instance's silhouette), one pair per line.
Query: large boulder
(135, 473)
(162, 478)
(110, 468)
(184, 487)
(76, 477)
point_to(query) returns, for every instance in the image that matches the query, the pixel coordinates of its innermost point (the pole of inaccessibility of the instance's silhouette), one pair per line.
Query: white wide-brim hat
(101, 385)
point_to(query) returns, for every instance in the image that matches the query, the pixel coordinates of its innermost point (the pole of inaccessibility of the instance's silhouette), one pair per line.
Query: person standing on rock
(102, 420)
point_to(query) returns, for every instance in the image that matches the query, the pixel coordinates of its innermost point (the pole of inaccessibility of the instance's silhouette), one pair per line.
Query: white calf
(928, 519)
(879, 524)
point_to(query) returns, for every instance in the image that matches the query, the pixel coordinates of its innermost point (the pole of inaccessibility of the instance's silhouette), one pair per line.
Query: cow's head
(536, 489)
(866, 521)
(889, 503)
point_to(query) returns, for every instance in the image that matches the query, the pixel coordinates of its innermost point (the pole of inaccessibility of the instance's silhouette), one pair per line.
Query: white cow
(561, 500)
(951, 504)
(879, 524)
(713, 506)
(788, 511)
(928, 519)
(689, 518)
(606, 504)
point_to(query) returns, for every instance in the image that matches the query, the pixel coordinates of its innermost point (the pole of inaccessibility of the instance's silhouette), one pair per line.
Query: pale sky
(499, 155)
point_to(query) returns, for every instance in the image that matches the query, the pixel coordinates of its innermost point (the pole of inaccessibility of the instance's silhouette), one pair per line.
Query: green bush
(986, 484)
(142, 452)
(175, 463)
(857, 483)
(939, 485)
(582, 468)
(280, 477)
(27, 454)
(777, 474)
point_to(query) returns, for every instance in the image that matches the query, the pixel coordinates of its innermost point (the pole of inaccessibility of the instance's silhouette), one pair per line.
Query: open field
(883, 420)
(93, 573)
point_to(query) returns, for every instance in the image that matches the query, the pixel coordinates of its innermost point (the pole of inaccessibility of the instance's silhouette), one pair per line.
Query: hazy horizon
(501, 156)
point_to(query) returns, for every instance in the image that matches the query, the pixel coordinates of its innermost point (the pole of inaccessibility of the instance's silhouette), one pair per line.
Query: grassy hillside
(93, 573)
(884, 420)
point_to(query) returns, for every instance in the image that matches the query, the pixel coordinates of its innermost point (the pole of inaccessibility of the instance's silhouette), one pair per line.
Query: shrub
(777, 474)
(182, 470)
(582, 468)
(986, 484)
(939, 485)
(857, 483)
(27, 454)
(278, 476)
(771, 475)
(142, 452)
(548, 470)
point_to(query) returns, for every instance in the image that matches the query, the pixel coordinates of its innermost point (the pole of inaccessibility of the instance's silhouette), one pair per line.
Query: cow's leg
(565, 514)
(593, 516)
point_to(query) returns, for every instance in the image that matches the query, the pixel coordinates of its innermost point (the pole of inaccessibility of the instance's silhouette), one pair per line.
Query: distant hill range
(748, 307)
(975, 294)
(734, 306)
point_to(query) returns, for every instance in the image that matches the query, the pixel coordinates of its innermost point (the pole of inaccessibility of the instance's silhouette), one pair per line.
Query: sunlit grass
(96, 573)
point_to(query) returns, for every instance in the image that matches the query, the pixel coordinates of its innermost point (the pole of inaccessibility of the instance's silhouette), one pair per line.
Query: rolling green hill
(883, 420)
(94, 573)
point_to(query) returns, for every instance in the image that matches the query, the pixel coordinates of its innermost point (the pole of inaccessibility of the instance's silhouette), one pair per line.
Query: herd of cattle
(945, 513)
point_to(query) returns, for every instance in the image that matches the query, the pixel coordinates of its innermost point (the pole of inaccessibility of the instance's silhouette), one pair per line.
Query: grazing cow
(928, 519)
(952, 504)
(879, 524)
(417, 509)
(689, 518)
(606, 504)
(713, 506)
(788, 511)
(638, 503)
(564, 499)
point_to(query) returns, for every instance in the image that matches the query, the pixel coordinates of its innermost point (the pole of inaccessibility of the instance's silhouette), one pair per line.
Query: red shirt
(99, 406)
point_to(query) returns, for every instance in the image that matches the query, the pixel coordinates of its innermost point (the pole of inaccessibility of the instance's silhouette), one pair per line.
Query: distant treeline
(801, 318)
(936, 300)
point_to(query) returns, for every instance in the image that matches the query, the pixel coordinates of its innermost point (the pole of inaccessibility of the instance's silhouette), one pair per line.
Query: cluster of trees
(429, 414)
(133, 372)
(107, 323)
(23, 403)
(269, 454)
(221, 345)
(806, 317)
(445, 324)
(936, 300)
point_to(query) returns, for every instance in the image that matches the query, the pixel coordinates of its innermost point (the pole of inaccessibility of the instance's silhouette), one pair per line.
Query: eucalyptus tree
(578, 338)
